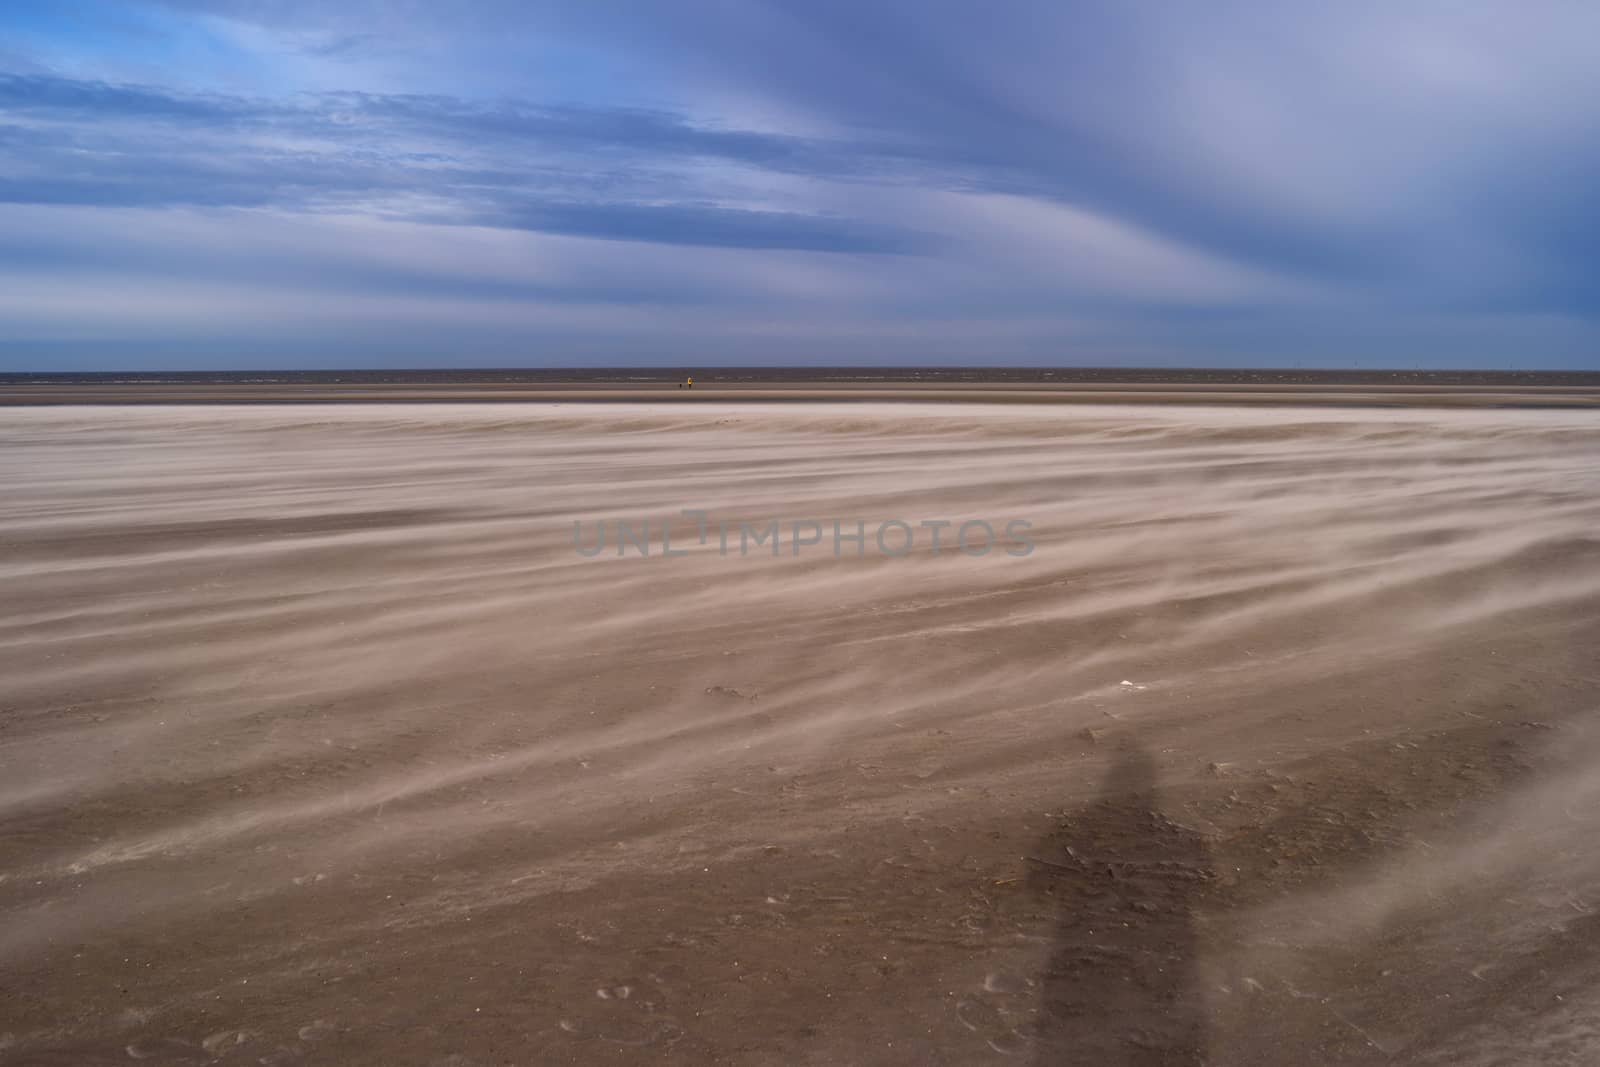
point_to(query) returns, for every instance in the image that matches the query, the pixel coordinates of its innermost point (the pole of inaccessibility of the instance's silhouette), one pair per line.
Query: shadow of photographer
(1123, 883)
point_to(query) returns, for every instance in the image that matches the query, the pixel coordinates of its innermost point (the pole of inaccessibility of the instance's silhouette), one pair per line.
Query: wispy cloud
(1237, 183)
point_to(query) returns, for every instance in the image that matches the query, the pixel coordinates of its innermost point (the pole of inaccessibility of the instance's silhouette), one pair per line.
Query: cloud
(440, 159)
(1234, 182)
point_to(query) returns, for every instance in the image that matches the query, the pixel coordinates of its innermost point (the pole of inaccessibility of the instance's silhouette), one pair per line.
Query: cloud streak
(420, 158)
(1230, 185)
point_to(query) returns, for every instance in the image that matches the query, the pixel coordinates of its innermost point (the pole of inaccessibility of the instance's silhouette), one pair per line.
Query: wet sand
(319, 743)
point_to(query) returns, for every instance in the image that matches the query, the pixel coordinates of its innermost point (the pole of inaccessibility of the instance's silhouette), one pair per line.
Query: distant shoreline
(1336, 388)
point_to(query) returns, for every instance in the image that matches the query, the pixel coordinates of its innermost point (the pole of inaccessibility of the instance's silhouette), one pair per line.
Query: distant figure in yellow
(687, 384)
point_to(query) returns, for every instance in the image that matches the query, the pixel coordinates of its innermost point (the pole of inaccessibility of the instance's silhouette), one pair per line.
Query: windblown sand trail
(320, 743)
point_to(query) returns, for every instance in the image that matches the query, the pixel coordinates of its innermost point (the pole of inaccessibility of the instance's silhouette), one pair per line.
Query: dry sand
(319, 744)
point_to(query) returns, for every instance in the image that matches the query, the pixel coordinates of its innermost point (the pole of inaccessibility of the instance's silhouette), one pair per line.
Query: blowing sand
(320, 744)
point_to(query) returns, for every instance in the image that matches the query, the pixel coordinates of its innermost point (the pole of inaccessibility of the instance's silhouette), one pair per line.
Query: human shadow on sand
(1123, 882)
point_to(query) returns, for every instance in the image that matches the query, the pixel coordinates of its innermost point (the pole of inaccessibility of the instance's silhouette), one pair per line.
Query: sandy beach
(321, 743)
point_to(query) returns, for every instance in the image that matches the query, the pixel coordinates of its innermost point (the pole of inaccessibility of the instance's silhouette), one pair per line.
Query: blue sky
(289, 183)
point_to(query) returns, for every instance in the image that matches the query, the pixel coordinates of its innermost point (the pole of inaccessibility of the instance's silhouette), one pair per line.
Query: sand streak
(318, 735)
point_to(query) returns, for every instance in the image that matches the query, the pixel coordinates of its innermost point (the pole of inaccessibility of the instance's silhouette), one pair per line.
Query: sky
(194, 184)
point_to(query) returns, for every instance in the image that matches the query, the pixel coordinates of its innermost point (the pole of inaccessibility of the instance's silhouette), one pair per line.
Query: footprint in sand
(624, 1013)
(994, 1013)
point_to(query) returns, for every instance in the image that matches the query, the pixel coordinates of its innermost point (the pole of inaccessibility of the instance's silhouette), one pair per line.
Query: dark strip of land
(1566, 389)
